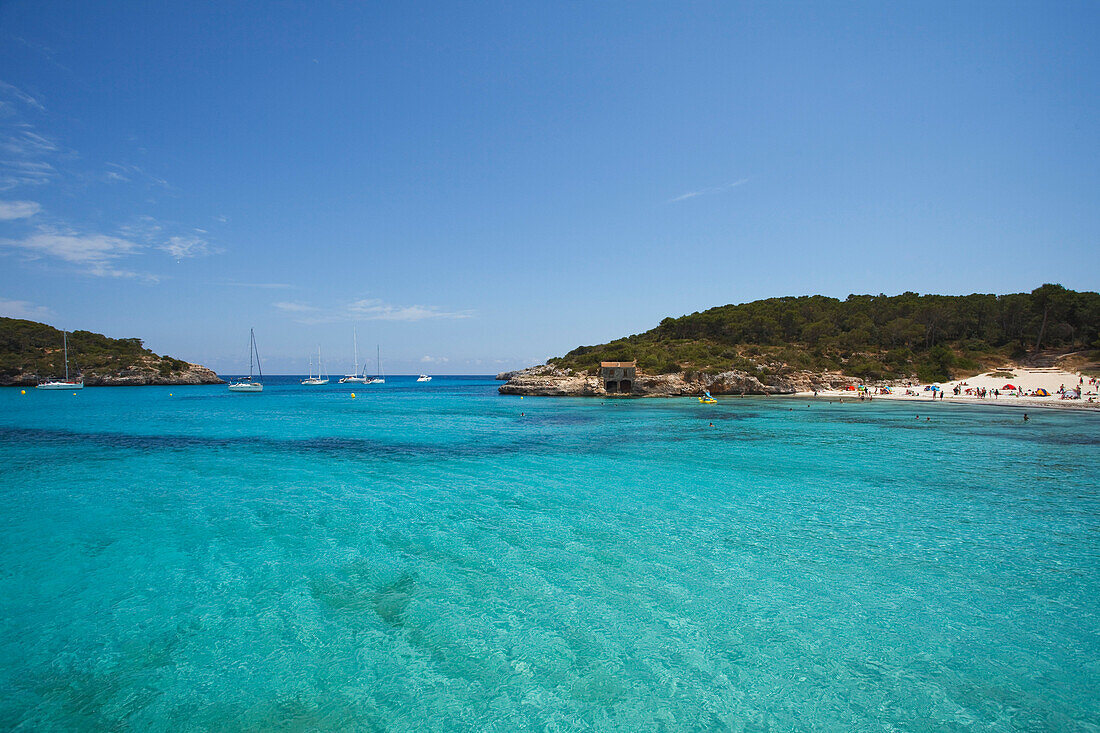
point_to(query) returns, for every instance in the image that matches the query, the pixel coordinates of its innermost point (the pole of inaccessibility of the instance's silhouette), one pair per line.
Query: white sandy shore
(1027, 380)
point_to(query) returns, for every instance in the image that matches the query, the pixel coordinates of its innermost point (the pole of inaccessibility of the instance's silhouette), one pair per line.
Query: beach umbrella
(1009, 386)
(1041, 393)
(934, 388)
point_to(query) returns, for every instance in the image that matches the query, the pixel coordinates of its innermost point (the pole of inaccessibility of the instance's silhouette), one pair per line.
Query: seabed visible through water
(423, 557)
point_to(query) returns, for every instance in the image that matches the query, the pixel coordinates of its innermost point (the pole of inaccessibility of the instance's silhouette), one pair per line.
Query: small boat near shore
(250, 384)
(423, 378)
(65, 383)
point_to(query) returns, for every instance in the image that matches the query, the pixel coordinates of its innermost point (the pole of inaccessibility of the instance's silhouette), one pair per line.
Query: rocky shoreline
(133, 377)
(549, 381)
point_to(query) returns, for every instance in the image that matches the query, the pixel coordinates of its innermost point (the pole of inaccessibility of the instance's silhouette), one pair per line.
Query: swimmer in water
(1026, 418)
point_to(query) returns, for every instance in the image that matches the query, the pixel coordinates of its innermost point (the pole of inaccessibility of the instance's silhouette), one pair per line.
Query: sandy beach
(1026, 380)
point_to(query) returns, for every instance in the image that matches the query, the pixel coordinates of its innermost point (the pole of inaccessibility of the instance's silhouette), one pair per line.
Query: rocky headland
(138, 375)
(32, 351)
(547, 380)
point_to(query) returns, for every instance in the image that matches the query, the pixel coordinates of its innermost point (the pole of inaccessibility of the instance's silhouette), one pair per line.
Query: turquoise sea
(427, 557)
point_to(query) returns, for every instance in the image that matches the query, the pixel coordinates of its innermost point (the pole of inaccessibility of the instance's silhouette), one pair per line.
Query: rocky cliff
(547, 380)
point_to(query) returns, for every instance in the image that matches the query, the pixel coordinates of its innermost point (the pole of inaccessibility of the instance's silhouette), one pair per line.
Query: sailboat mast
(355, 346)
(65, 340)
(251, 346)
(259, 368)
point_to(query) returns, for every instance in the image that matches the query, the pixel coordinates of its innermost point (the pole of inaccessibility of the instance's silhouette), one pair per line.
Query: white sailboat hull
(246, 387)
(314, 382)
(353, 379)
(60, 385)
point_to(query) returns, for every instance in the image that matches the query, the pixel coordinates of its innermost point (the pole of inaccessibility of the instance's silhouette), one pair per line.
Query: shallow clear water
(423, 557)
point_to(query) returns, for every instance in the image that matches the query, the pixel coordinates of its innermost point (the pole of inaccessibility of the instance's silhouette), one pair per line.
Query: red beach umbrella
(1009, 386)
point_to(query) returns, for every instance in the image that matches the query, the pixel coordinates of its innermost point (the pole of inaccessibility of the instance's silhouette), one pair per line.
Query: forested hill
(870, 336)
(30, 350)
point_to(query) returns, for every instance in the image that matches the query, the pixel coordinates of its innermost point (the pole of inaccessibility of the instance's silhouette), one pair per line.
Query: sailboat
(380, 374)
(312, 380)
(66, 383)
(355, 376)
(250, 384)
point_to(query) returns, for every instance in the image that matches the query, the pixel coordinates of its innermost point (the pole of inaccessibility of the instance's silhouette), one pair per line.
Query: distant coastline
(194, 374)
(31, 352)
(550, 381)
(815, 344)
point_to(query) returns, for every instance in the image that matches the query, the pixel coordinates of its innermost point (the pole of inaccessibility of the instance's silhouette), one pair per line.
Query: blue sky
(482, 186)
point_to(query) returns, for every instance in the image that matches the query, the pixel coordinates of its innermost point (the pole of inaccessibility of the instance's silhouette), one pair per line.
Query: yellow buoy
(22, 391)
(353, 395)
(521, 397)
(169, 394)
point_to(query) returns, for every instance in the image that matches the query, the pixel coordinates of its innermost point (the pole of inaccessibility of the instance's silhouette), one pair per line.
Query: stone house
(618, 376)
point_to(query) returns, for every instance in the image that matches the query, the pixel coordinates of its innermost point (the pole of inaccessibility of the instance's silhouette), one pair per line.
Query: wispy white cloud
(185, 247)
(292, 307)
(144, 228)
(434, 360)
(18, 209)
(91, 254)
(367, 309)
(126, 173)
(15, 93)
(263, 286)
(25, 142)
(26, 156)
(14, 173)
(153, 233)
(372, 309)
(23, 309)
(708, 191)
